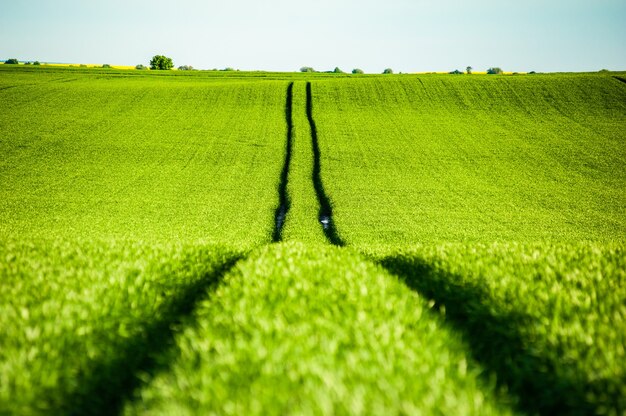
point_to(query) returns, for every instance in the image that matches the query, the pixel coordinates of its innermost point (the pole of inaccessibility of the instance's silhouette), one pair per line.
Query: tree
(140, 67)
(161, 62)
(388, 71)
(36, 63)
(337, 70)
(469, 69)
(185, 68)
(106, 66)
(357, 71)
(455, 72)
(11, 61)
(494, 71)
(307, 69)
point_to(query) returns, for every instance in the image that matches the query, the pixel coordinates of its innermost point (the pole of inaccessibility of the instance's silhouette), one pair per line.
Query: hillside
(267, 243)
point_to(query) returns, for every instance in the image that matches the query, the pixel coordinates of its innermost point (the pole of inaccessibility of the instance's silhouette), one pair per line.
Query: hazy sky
(406, 35)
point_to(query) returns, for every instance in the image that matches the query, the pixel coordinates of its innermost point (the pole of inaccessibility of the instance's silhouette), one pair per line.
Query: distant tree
(185, 68)
(140, 67)
(388, 71)
(532, 72)
(36, 63)
(455, 72)
(307, 69)
(161, 62)
(494, 71)
(228, 69)
(106, 66)
(27, 63)
(601, 71)
(469, 70)
(357, 71)
(12, 61)
(83, 66)
(338, 71)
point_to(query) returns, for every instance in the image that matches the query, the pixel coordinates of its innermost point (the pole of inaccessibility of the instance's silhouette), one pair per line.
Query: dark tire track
(112, 382)
(620, 79)
(283, 198)
(326, 212)
(497, 343)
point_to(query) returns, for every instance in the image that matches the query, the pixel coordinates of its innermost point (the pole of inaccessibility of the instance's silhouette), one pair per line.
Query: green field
(162, 249)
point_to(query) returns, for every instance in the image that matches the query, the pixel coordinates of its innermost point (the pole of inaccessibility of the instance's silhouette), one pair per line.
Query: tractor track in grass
(497, 342)
(283, 197)
(325, 215)
(620, 79)
(109, 384)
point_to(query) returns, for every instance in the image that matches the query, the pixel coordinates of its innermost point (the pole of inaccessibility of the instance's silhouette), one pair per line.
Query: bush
(357, 71)
(494, 71)
(11, 61)
(228, 69)
(106, 66)
(27, 63)
(161, 62)
(140, 67)
(338, 71)
(185, 68)
(36, 63)
(307, 69)
(388, 71)
(469, 70)
(455, 72)
(83, 66)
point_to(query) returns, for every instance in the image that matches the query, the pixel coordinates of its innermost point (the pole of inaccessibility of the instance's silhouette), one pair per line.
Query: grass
(483, 219)
(80, 320)
(547, 319)
(481, 159)
(310, 329)
(140, 158)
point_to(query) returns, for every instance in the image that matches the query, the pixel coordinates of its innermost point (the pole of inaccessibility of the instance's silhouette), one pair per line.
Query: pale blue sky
(406, 35)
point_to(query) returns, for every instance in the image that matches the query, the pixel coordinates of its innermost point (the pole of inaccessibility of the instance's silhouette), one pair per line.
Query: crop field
(194, 242)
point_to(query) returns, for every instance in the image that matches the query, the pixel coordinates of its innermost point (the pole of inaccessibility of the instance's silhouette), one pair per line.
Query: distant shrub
(27, 63)
(388, 71)
(185, 68)
(494, 71)
(532, 72)
(228, 69)
(12, 61)
(338, 71)
(357, 71)
(469, 70)
(307, 69)
(83, 66)
(455, 72)
(604, 71)
(106, 66)
(140, 67)
(36, 63)
(161, 62)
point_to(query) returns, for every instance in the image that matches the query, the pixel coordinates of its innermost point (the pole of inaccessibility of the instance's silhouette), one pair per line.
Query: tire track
(110, 383)
(325, 215)
(283, 198)
(620, 79)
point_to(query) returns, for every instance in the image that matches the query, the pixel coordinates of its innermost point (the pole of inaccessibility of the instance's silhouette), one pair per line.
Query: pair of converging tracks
(325, 213)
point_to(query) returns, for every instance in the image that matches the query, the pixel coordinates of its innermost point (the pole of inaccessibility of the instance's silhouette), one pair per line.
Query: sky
(283, 35)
